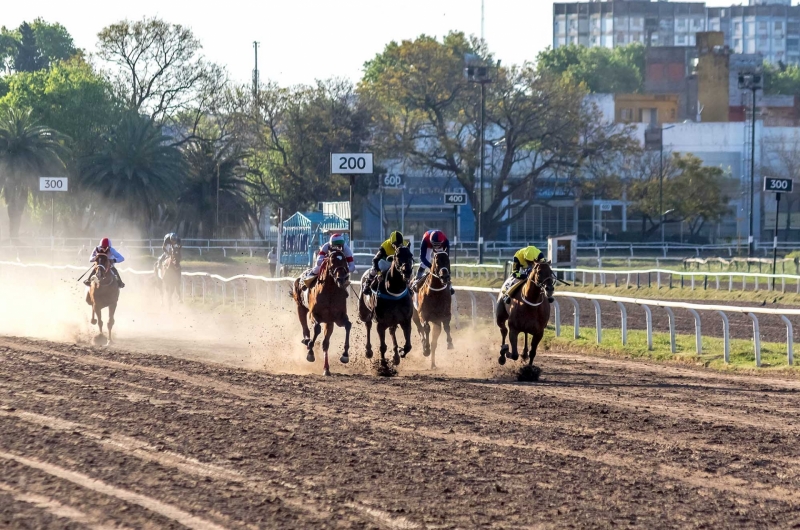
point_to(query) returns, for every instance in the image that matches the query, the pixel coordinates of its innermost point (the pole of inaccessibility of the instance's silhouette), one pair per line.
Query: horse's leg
(345, 358)
(437, 330)
(326, 342)
(99, 313)
(418, 323)
(317, 331)
(368, 352)
(111, 310)
(381, 328)
(534, 344)
(302, 314)
(426, 339)
(393, 333)
(446, 326)
(525, 349)
(501, 323)
(94, 313)
(407, 335)
(513, 335)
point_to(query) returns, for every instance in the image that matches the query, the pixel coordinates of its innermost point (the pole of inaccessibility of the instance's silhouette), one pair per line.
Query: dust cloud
(259, 330)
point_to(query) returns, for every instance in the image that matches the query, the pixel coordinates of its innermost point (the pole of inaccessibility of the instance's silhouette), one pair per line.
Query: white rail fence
(239, 284)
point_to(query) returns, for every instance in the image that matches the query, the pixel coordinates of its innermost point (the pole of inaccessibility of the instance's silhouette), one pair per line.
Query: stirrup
(506, 299)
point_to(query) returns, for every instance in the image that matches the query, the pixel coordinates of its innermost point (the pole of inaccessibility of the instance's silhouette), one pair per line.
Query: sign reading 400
(351, 163)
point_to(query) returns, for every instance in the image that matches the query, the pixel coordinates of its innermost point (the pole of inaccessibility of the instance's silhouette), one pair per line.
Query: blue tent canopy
(304, 233)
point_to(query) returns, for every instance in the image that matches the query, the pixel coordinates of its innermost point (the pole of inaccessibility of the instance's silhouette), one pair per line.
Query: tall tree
(136, 171)
(27, 151)
(216, 183)
(600, 70)
(425, 111)
(28, 57)
(160, 70)
(295, 132)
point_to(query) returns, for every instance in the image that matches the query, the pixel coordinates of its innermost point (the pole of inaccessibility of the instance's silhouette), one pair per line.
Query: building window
(697, 23)
(573, 24)
(737, 27)
(762, 26)
(680, 40)
(620, 38)
(762, 44)
(793, 28)
(779, 26)
(737, 45)
(681, 22)
(749, 28)
(626, 115)
(713, 24)
(793, 44)
(637, 21)
(594, 41)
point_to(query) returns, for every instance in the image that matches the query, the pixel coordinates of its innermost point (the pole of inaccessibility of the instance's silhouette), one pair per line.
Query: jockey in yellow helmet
(523, 261)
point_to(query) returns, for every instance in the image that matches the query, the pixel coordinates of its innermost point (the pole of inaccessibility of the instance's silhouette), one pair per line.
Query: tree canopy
(599, 70)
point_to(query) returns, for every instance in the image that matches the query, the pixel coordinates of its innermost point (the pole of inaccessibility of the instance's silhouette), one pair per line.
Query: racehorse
(103, 292)
(527, 312)
(390, 306)
(170, 276)
(433, 303)
(326, 302)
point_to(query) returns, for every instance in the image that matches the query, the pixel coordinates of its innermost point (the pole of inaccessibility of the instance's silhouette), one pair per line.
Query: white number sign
(53, 184)
(351, 163)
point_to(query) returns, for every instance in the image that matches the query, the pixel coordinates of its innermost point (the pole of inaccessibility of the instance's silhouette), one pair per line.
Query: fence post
(789, 340)
(597, 321)
(726, 336)
(649, 319)
(671, 315)
(623, 322)
(756, 338)
(577, 321)
(474, 307)
(698, 338)
(692, 282)
(557, 317)
(730, 283)
(658, 279)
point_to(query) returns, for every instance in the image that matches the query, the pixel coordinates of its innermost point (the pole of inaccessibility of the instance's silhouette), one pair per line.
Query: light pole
(480, 75)
(751, 81)
(661, 178)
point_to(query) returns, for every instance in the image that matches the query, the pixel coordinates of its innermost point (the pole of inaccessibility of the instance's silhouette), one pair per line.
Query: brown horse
(326, 302)
(434, 303)
(527, 313)
(103, 292)
(170, 276)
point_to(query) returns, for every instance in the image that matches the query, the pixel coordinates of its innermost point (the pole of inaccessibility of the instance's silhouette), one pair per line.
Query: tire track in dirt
(167, 510)
(466, 439)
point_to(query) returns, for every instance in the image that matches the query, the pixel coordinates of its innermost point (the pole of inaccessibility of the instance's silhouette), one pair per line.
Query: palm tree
(213, 166)
(27, 151)
(137, 169)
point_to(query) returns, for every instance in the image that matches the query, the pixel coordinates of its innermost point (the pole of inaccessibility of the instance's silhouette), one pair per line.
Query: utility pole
(255, 73)
(480, 74)
(752, 81)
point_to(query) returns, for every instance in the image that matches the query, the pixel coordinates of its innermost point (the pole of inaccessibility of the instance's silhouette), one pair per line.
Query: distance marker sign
(53, 184)
(777, 185)
(455, 199)
(351, 163)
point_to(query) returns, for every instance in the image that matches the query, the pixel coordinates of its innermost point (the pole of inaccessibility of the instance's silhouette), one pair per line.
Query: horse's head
(543, 277)
(338, 268)
(174, 257)
(101, 266)
(440, 265)
(403, 262)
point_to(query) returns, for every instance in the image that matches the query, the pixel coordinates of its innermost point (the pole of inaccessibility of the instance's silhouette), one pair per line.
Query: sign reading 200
(351, 163)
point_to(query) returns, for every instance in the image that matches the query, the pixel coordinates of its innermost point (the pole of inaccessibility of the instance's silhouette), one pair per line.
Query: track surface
(108, 438)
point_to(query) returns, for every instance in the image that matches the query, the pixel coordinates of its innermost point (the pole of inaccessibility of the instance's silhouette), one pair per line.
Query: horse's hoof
(368, 353)
(396, 359)
(310, 357)
(524, 356)
(305, 341)
(426, 351)
(344, 359)
(94, 321)
(326, 373)
(502, 360)
(504, 349)
(513, 356)
(433, 366)
(450, 346)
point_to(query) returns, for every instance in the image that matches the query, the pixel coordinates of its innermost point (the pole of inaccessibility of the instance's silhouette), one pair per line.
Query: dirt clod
(529, 373)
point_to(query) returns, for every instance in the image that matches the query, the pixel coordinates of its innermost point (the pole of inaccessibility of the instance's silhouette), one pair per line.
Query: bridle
(339, 272)
(403, 269)
(443, 274)
(102, 269)
(544, 285)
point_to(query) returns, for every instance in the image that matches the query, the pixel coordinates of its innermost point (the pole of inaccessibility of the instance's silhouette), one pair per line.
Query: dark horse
(326, 302)
(103, 292)
(527, 313)
(434, 303)
(390, 306)
(170, 276)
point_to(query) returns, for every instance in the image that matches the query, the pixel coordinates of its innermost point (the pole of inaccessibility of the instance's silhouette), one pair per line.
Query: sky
(304, 40)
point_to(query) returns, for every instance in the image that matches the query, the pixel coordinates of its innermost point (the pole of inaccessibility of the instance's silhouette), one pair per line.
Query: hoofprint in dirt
(104, 437)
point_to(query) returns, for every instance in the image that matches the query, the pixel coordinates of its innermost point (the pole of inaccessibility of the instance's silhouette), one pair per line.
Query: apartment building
(770, 28)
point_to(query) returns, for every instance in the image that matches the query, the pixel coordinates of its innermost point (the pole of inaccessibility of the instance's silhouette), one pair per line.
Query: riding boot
(506, 299)
(119, 279)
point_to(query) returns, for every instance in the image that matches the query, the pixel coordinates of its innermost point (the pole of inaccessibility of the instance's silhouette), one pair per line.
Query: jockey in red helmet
(432, 241)
(336, 242)
(114, 257)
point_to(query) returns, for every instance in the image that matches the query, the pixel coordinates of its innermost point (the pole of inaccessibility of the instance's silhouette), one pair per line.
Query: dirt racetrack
(106, 438)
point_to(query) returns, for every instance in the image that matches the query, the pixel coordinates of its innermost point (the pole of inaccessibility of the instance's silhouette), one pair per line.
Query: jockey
(336, 242)
(432, 241)
(113, 256)
(388, 248)
(171, 241)
(523, 261)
